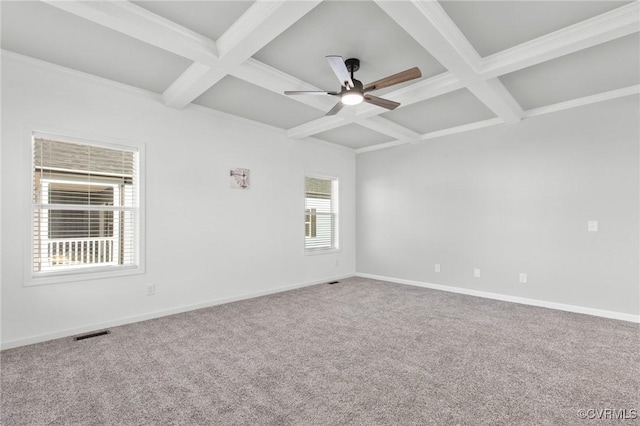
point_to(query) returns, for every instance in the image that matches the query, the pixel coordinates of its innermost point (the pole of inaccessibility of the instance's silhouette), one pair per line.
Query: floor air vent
(90, 335)
(333, 282)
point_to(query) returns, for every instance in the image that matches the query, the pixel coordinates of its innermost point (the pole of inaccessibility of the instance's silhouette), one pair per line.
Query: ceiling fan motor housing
(352, 64)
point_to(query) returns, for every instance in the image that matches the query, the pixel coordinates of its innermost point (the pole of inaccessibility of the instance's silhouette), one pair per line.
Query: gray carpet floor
(361, 352)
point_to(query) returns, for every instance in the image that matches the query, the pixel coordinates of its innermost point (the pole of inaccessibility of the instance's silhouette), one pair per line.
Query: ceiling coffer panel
(442, 112)
(235, 96)
(608, 66)
(493, 26)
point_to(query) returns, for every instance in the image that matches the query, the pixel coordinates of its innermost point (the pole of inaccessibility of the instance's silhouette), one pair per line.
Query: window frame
(32, 278)
(335, 199)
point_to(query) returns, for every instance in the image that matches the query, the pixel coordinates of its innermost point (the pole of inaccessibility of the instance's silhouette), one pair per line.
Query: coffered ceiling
(483, 63)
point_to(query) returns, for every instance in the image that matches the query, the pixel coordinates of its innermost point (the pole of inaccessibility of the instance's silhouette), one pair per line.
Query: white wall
(511, 199)
(205, 242)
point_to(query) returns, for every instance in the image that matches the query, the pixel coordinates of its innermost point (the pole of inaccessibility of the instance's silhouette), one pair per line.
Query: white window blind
(321, 214)
(85, 207)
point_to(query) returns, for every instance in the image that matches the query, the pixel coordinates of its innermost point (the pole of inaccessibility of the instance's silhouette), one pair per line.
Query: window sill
(82, 275)
(321, 251)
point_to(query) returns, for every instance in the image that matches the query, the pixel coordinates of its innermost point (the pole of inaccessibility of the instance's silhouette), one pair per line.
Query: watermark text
(608, 414)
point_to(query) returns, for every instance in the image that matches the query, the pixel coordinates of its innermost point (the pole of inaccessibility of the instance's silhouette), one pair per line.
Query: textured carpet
(360, 352)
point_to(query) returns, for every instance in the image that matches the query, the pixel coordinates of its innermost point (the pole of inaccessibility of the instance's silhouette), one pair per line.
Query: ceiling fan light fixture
(352, 91)
(352, 98)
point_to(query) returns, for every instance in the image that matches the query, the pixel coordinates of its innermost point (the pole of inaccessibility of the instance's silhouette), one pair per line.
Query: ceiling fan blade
(340, 69)
(384, 103)
(309, 92)
(335, 109)
(400, 77)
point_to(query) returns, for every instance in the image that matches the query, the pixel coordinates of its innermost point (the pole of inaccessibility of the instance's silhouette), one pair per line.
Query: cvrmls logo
(608, 414)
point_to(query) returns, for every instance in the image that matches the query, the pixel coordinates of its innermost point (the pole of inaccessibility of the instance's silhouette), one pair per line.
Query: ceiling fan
(352, 91)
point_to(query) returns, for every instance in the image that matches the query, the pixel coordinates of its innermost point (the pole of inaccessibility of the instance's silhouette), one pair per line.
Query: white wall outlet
(337, 262)
(151, 289)
(592, 226)
(476, 273)
(523, 277)
(437, 268)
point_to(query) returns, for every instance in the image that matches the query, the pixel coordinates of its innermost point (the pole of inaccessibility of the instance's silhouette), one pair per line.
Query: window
(85, 207)
(320, 214)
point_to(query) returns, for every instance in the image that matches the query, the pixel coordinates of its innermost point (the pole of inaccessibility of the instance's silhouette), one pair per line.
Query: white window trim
(317, 251)
(32, 132)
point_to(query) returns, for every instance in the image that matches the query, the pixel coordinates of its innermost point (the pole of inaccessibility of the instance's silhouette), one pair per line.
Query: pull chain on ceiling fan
(352, 91)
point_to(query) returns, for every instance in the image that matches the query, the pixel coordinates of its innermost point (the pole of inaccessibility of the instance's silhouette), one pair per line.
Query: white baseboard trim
(506, 298)
(157, 314)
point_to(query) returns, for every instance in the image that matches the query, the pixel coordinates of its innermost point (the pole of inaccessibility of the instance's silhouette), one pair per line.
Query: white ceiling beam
(261, 23)
(432, 28)
(379, 146)
(614, 24)
(194, 81)
(141, 24)
(319, 125)
(587, 100)
(497, 98)
(438, 133)
(389, 128)
(462, 128)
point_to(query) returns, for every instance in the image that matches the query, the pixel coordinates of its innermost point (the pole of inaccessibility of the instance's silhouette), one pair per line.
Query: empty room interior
(307, 212)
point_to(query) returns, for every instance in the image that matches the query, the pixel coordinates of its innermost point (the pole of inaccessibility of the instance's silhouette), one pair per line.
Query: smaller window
(320, 214)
